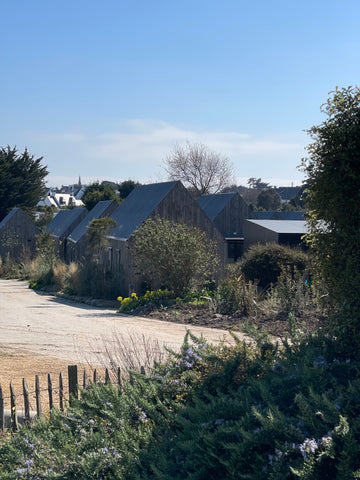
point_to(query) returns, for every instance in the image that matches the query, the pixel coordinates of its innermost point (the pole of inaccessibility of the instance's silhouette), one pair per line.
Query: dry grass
(130, 351)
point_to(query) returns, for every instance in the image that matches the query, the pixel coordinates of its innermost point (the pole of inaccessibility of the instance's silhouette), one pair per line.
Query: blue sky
(106, 89)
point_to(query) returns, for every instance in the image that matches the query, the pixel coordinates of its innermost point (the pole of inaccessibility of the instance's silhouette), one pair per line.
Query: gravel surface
(57, 328)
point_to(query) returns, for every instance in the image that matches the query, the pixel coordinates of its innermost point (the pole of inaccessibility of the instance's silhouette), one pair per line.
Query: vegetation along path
(74, 332)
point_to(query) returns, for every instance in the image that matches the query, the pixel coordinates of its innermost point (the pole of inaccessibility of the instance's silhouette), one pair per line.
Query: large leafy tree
(333, 199)
(269, 199)
(174, 255)
(21, 180)
(199, 168)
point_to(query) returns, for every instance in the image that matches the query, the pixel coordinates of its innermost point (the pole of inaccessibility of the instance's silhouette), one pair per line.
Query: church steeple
(79, 182)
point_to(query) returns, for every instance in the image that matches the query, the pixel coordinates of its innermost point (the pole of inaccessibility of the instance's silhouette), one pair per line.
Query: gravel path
(58, 328)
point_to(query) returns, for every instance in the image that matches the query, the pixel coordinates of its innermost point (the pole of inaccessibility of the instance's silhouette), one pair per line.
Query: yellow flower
(119, 299)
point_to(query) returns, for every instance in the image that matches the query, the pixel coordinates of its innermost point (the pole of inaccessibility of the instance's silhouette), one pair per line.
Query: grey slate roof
(65, 221)
(9, 216)
(98, 211)
(283, 226)
(274, 215)
(263, 215)
(214, 204)
(137, 207)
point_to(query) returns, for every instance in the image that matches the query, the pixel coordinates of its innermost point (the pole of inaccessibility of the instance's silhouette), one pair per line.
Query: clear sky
(105, 89)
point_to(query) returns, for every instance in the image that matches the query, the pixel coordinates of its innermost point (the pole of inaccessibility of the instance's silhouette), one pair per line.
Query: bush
(264, 263)
(236, 295)
(174, 255)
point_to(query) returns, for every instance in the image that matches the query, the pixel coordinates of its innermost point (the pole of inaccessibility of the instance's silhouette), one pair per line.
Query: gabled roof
(137, 207)
(9, 216)
(215, 203)
(283, 226)
(65, 220)
(101, 209)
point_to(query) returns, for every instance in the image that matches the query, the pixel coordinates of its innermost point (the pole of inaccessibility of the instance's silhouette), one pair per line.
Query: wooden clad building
(228, 211)
(17, 236)
(169, 200)
(76, 242)
(61, 226)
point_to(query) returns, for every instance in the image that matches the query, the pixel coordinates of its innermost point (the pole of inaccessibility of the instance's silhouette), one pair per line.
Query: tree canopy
(333, 198)
(21, 180)
(199, 168)
(126, 187)
(269, 199)
(97, 192)
(174, 255)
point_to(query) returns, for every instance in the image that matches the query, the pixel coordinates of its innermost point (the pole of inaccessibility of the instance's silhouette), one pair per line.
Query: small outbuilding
(228, 211)
(17, 236)
(284, 232)
(63, 223)
(169, 200)
(76, 242)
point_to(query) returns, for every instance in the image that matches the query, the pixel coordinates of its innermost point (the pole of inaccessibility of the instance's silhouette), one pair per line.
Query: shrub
(236, 295)
(264, 263)
(174, 255)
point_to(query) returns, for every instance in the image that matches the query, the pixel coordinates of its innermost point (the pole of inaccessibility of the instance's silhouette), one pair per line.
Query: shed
(228, 211)
(169, 200)
(17, 236)
(284, 232)
(76, 243)
(63, 223)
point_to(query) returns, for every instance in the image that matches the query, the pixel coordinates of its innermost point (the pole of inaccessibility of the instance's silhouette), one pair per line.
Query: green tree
(257, 184)
(269, 199)
(333, 199)
(174, 255)
(97, 232)
(97, 192)
(21, 181)
(126, 187)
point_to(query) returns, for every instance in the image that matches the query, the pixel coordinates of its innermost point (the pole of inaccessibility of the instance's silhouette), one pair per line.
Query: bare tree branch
(198, 167)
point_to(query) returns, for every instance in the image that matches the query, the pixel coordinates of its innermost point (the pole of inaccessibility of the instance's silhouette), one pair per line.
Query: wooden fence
(10, 417)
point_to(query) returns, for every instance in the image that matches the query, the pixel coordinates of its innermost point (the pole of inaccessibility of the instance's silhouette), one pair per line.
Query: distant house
(228, 211)
(169, 200)
(63, 223)
(284, 232)
(76, 243)
(17, 236)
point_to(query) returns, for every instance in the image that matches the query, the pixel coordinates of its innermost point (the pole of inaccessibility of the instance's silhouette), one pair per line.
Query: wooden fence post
(26, 402)
(2, 410)
(119, 378)
(14, 421)
(50, 390)
(95, 376)
(85, 378)
(107, 376)
(38, 397)
(61, 392)
(142, 370)
(73, 383)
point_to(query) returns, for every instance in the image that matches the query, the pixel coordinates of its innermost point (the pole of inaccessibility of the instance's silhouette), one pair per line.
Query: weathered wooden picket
(11, 417)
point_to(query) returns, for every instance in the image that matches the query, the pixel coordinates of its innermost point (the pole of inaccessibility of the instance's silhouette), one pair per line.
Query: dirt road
(73, 332)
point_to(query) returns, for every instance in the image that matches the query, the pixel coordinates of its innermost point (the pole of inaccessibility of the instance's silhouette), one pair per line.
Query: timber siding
(169, 200)
(17, 236)
(228, 211)
(62, 225)
(76, 243)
